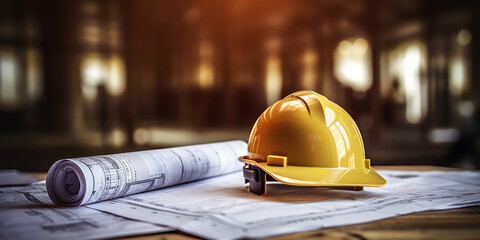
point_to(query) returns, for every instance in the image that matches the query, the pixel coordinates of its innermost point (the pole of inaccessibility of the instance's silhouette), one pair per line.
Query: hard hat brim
(316, 176)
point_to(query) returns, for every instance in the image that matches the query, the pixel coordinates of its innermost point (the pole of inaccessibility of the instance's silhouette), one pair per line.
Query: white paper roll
(78, 181)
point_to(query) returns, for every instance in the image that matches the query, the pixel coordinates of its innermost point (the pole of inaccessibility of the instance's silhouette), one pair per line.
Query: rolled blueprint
(78, 181)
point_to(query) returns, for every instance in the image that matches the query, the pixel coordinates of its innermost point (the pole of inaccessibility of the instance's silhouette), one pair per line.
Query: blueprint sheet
(222, 208)
(27, 213)
(12, 177)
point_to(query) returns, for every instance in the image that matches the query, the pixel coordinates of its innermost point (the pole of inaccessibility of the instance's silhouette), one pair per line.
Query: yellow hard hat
(307, 140)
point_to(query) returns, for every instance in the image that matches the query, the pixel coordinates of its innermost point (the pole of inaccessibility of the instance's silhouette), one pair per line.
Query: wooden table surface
(462, 223)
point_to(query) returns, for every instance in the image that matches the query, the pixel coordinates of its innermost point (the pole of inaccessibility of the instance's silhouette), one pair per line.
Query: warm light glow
(33, 74)
(141, 136)
(117, 137)
(273, 79)
(116, 80)
(360, 46)
(344, 47)
(457, 79)
(206, 75)
(9, 79)
(466, 108)
(168, 136)
(97, 71)
(443, 135)
(405, 64)
(352, 64)
(411, 79)
(93, 74)
(309, 76)
(459, 74)
(91, 33)
(464, 37)
(273, 71)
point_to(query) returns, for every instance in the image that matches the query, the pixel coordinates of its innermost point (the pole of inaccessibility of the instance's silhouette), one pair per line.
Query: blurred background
(94, 77)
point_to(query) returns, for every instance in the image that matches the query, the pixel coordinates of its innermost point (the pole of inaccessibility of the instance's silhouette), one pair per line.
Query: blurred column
(373, 29)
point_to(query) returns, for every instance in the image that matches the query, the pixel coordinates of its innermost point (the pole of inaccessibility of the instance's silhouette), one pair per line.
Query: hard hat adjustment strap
(256, 178)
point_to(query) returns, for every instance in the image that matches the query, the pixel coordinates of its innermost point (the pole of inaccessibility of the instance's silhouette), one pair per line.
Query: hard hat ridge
(312, 102)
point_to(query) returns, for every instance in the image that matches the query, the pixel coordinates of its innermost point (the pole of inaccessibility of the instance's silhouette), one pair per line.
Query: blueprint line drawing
(78, 181)
(222, 207)
(27, 213)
